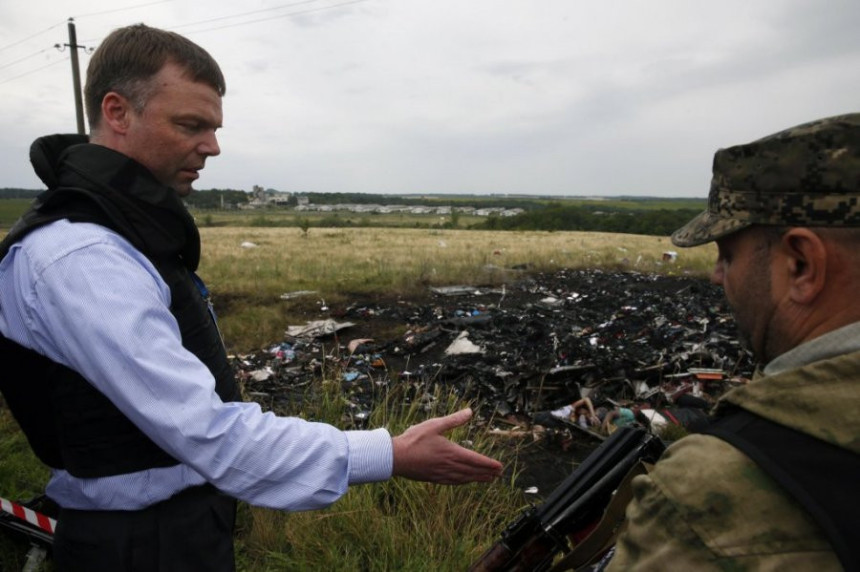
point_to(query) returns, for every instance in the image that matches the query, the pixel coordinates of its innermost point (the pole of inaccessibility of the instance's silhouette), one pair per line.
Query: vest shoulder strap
(820, 476)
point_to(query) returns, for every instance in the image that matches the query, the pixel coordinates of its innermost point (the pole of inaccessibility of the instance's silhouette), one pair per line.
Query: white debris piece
(462, 345)
(317, 328)
(261, 374)
(297, 294)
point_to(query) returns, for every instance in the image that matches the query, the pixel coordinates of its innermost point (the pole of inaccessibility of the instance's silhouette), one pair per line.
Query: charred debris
(535, 344)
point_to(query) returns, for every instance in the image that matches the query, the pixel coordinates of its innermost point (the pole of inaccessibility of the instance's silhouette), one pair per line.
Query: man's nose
(209, 146)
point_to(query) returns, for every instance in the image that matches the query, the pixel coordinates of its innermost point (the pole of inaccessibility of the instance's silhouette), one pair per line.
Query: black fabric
(119, 191)
(691, 401)
(691, 418)
(19, 391)
(822, 477)
(70, 424)
(192, 530)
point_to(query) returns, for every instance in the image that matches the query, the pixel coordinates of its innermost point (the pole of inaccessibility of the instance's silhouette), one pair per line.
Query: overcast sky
(543, 97)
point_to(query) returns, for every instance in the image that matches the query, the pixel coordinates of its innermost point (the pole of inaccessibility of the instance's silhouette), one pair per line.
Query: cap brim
(704, 228)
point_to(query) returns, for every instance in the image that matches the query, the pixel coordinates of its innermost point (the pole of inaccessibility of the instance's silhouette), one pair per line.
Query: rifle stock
(541, 533)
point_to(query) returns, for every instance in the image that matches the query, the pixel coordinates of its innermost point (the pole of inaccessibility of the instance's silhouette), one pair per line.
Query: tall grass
(275, 260)
(394, 525)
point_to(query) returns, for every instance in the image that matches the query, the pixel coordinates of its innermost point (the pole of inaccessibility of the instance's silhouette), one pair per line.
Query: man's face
(175, 132)
(743, 269)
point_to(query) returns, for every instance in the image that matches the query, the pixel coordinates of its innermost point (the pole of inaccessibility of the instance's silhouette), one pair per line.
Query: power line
(202, 22)
(30, 37)
(10, 64)
(244, 14)
(35, 70)
(273, 17)
(122, 9)
(136, 6)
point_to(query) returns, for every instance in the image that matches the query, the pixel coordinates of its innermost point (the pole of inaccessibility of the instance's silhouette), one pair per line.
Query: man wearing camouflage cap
(784, 213)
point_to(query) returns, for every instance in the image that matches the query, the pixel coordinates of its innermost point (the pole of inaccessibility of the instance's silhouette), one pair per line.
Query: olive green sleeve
(657, 537)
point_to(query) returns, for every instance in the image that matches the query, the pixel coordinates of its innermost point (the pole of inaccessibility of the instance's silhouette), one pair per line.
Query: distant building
(261, 198)
(269, 197)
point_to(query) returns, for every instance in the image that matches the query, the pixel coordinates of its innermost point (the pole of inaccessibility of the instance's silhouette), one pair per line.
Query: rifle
(574, 508)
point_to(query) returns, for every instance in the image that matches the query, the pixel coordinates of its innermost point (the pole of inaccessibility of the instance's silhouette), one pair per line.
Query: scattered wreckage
(536, 344)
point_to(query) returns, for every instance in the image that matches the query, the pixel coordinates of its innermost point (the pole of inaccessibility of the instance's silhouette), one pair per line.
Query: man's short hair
(129, 57)
(808, 175)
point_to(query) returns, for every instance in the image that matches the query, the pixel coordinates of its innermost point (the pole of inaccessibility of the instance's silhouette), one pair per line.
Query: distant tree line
(654, 222)
(430, 200)
(216, 198)
(8, 193)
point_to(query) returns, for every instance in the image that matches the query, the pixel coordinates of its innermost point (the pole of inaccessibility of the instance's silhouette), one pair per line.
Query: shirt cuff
(371, 456)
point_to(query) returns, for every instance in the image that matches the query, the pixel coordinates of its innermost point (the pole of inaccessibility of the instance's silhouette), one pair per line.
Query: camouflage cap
(807, 175)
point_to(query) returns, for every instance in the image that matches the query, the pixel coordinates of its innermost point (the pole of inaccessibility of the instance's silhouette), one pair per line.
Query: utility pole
(76, 74)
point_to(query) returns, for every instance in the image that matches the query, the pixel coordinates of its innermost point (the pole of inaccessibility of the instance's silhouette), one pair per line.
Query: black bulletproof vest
(69, 424)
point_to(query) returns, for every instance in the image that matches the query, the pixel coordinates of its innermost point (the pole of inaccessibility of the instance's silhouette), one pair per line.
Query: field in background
(248, 269)
(10, 210)
(251, 258)
(290, 218)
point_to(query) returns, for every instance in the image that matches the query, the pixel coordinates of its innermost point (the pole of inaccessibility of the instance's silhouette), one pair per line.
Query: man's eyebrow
(198, 118)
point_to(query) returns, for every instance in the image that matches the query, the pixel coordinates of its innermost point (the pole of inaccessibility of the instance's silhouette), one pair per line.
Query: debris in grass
(317, 329)
(619, 338)
(297, 294)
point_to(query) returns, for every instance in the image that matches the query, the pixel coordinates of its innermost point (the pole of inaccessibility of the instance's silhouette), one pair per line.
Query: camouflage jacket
(706, 506)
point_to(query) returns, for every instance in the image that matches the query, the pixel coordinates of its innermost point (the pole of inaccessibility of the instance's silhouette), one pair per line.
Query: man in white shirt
(148, 440)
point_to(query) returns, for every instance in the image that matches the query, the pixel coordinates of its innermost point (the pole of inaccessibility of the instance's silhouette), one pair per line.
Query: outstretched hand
(423, 453)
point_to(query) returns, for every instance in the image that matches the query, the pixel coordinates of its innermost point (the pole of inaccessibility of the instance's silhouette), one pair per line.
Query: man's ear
(806, 264)
(116, 112)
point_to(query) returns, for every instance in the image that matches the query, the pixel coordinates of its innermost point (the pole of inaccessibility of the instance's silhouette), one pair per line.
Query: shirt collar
(840, 341)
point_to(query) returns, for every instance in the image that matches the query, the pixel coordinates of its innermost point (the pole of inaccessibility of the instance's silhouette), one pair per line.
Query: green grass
(10, 210)
(395, 525)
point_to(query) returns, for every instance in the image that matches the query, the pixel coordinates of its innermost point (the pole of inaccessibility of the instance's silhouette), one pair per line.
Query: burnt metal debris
(535, 344)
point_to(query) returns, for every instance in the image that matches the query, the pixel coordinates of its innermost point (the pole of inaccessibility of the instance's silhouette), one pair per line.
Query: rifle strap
(593, 546)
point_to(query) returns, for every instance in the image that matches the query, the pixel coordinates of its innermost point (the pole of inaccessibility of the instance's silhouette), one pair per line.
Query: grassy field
(248, 269)
(398, 525)
(10, 210)
(249, 266)
(291, 218)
